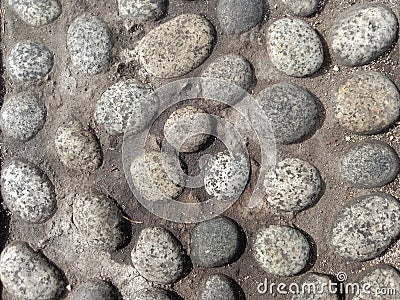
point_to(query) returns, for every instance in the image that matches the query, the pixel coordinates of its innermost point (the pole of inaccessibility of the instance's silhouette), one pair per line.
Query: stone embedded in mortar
(37, 12)
(142, 10)
(303, 8)
(219, 287)
(153, 294)
(94, 290)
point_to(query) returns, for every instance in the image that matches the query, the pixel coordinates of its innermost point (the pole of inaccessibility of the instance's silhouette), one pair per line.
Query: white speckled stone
(226, 176)
(293, 185)
(158, 176)
(362, 33)
(303, 8)
(281, 250)
(142, 10)
(27, 192)
(36, 12)
(152, 294)
(177, 47)
(219, 287)
(22, 116)
(99, 220)
(77, 147)
(369, 164)
(316, 287)
(366, 102)
(29, 60)
(94, 290)
(90, 42)
(370, 233)
(294, 47)
(126, 104)
(28, 275)
(159, 256)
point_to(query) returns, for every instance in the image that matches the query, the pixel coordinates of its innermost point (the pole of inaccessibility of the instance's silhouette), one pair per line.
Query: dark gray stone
(152, 294)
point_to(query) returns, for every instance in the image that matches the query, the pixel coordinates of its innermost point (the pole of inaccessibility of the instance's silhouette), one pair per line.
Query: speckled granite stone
(366, 102)
(94, 289)
(367, 235)
(99, 220)
(293, 185)
(362, 33)
(316, 287)
(294, 47)
(77, 147)
(159, 256)
(302, 8)
(281, 250)
(291, 110)
(153, 294)
(22, 116)
(28, 275)
(369, 164)
(219, 287)
(142, 10)
(29, 60)
(238, 16)
(89, 42)
(177, 47)
(36, 12)
(27, 192)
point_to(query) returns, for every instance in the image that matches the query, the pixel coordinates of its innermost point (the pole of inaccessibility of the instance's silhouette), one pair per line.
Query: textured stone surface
(238, 16)
(152, 294)
(294, 47)
(158, 176)
(126, 104)
(176, 47)
(371, 232)
(291, 110)
(281, 250)
(22, 116)
(369, 164)
(28, 275)
(89, 42)
(362, 33)
(226, 175)
(316, 287)
(142, 10)
(29, 60)
(302, 8)
(216, 242)
(94, 289)
(366, 102)
(159, 256)
(183, 129)
(293, 185)
(218, 287)
(36, 12)
(27, 192)
(77, 147)
(99, 220)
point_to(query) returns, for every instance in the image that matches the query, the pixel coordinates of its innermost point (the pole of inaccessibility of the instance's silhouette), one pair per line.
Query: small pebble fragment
(152, 294)
(316, 287)
(303, 8)
(219, 287)
(36, 12)
(142, 10)
(94, 290)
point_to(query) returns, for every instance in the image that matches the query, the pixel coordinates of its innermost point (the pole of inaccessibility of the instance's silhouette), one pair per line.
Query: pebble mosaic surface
(79, 79)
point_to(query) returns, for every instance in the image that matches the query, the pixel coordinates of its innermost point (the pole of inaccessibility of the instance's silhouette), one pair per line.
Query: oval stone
(219, 287)
(36, 12)
(142, 10)
(94, 289)
(303, 8)
(153, 294)
(177, 47)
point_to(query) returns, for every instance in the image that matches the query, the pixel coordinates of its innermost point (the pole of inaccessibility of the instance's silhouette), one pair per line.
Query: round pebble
(383, 282)
(362, 33)
(293, 185)
(77, 147)
(294, 47)
(158, 176)
(89, 42)
(369, 164)
(158, 256)
(94, 289)
(126, 103)
(27, 274)
(36, 12)
(366, 227)
(316, 287)
(291, 110)
(22, 116)
(99, 220)
(226, 176)
(177, 47)
(27, 192)
(238, 16)
(281, 250)
(29, 60)
(152, 294)
(219, 287)
(303, 8)
(216, 242)
(142, 10)
(366, 103)
(183, 129)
